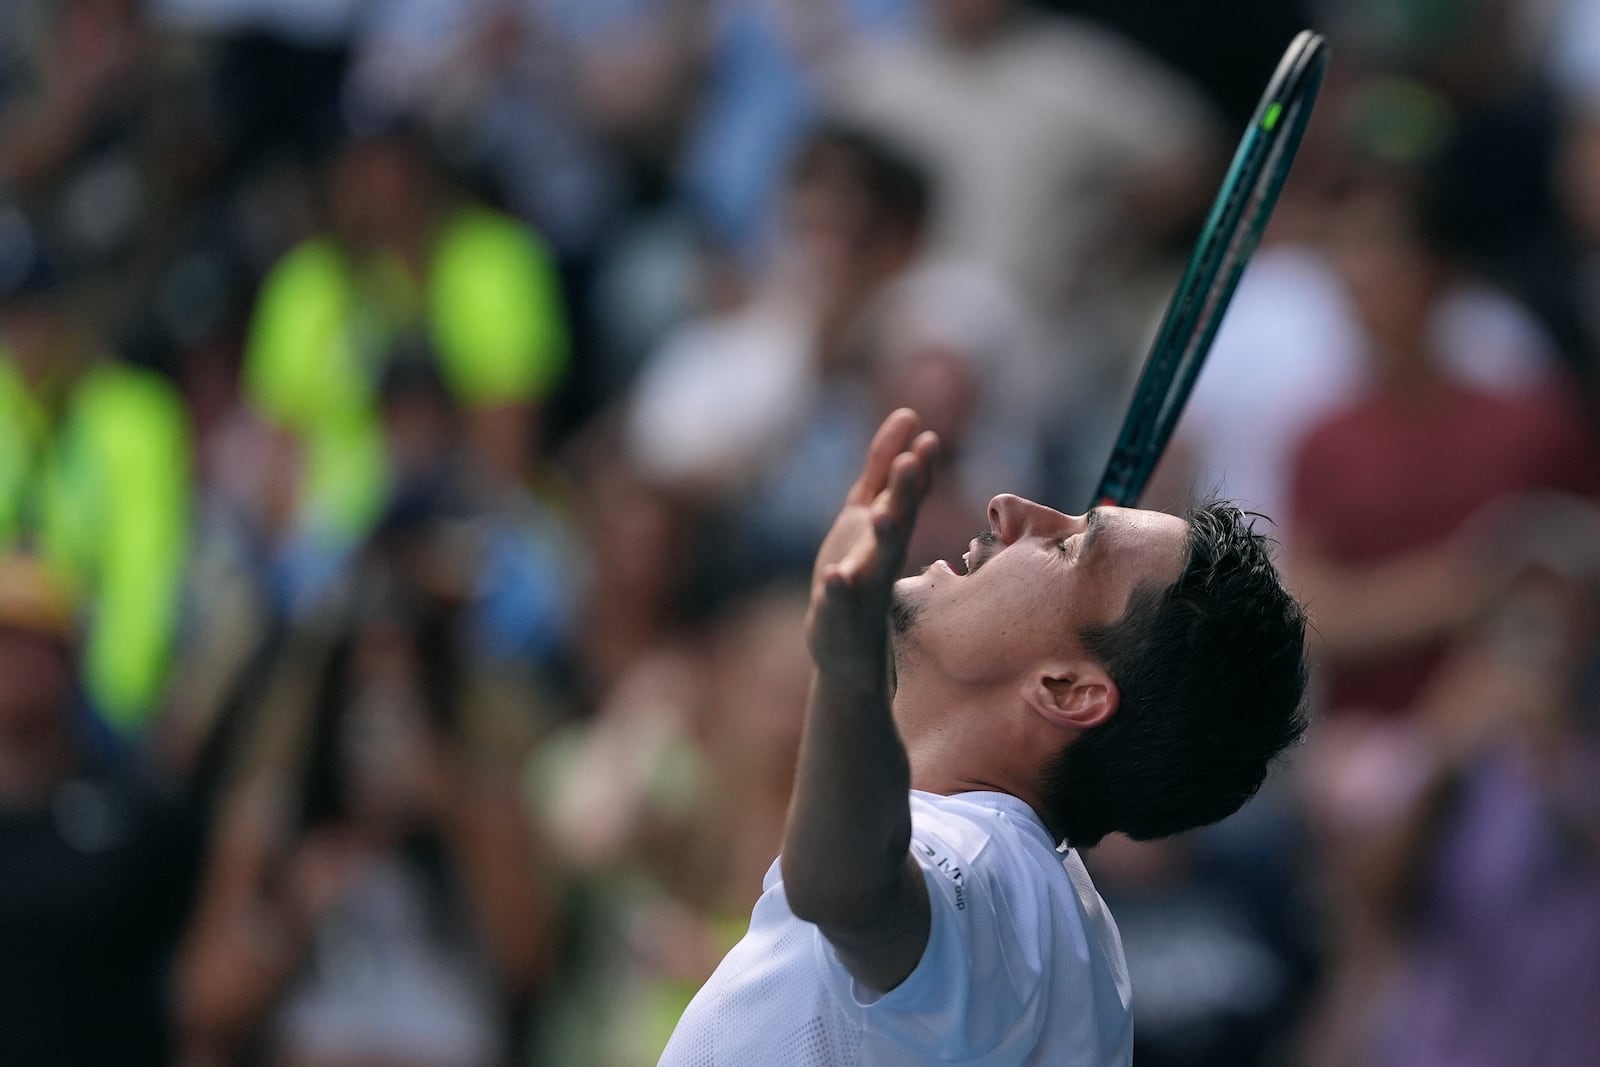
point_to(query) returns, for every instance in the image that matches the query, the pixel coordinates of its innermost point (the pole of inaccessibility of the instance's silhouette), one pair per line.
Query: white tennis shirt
(1023, 965)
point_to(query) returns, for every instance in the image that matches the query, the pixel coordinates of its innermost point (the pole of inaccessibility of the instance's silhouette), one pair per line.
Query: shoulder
(314, 262)
(308, 287)
(478, 238)
(1017, 962)
(990, 862)
(979, 825)
(118, 381)
(118, 395)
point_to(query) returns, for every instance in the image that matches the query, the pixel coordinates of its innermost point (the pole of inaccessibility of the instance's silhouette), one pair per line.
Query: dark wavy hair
(897, 189)
(1211, 673)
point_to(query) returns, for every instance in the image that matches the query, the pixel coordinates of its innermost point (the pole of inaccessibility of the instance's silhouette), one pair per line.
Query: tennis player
(1117, 671)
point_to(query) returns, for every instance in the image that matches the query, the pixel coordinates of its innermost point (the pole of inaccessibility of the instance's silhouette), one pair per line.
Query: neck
(1411, 379)
(960, 738)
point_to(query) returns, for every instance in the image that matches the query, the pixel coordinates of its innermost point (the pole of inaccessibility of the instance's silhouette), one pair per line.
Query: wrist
(852, 682)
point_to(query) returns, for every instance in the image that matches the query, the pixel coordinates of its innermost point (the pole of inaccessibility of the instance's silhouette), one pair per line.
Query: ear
(1076, 695)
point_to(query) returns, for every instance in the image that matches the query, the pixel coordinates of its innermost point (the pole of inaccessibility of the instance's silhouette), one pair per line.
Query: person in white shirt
(1121, 670)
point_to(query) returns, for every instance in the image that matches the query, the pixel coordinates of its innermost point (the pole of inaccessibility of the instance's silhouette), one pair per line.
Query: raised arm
(846, 865)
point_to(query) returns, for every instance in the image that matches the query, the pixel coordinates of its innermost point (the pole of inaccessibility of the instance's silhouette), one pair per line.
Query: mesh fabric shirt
(1023, 965)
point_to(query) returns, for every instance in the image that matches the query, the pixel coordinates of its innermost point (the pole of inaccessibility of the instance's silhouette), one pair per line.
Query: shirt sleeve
(981, 976)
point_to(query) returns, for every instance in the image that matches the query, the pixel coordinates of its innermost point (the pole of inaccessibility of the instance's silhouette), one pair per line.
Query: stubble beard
(903, 614)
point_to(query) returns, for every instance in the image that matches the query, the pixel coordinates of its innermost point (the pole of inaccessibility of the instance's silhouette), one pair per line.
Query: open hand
(863, 554)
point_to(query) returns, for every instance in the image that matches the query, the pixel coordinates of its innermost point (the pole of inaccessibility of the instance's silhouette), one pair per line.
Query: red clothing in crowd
(1386, 476)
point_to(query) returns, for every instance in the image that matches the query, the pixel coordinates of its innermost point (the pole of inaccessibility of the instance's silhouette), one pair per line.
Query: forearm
(845, 846)
(1394, 605)
(847, 867)
(493, 843)
(1388, 865)
(241, 949)
(232, 970)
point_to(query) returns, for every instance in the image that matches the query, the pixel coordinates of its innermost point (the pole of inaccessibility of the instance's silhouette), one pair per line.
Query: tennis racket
(1232, 230)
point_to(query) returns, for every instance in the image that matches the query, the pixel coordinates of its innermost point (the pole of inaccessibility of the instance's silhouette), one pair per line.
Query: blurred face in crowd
(844, 232)
(639, 540)
(842, 244)
(41, 341)
(1392, 277)
(828, 216)
(938, 381)
(379, 194)
(1030, 586)
(35, 694)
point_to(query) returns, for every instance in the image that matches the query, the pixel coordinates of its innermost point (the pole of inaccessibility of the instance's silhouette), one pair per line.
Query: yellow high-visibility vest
(103, 492)
(491, 312)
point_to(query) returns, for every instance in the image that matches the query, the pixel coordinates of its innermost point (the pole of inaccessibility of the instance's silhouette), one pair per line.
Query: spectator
(408, 271)
(668, 808)
(98, 863)
(1044, 136)
(638, 590)
(1289, 353)
(369, 364)
(95, 471)
(1064, 157)
(753, 412)
(767, 63)
(1466, 840)
(1208, 923)
(1502, 842)
(372, 890)
(955, 345)
(1384, 486)
(69, 119)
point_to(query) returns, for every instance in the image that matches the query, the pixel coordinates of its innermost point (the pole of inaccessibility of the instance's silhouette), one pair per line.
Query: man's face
(1031, 585)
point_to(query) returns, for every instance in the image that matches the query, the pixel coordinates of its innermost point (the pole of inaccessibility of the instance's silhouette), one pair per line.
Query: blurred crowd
(417, 418)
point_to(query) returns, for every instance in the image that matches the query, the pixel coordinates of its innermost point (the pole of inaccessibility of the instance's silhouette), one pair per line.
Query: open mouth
(978, 551)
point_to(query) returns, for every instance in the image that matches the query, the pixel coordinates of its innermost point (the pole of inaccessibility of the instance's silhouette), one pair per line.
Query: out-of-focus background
(417, 417)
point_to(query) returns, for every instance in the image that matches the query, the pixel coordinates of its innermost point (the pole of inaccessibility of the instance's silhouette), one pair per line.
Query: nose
(1013, 517)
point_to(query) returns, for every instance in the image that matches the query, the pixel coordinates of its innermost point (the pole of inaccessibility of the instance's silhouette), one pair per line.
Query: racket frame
(1232, 230)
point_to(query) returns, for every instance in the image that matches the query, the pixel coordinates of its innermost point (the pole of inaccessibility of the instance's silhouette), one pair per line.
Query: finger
(855, 571)
(894, 516)
(835, 579)
(887, 443)
(910, 480)
(890, 509)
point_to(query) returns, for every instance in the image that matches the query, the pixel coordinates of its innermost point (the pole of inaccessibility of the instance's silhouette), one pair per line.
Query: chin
(910, 588)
